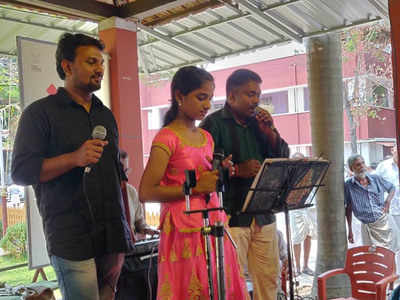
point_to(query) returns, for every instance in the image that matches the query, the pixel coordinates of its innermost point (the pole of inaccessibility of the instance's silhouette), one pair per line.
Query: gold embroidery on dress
(187, 142)
(228, 273)
(187, 251)
(162, 146)
(163, 259)
(199, 250)
(172, 256)
(167, 223)
(190, 230)
(195, 287)
(166, 291)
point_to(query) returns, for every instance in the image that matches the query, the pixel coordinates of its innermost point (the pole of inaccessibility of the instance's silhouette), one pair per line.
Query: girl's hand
(207, 182)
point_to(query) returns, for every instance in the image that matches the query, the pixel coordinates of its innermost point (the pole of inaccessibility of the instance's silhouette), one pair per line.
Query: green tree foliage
(368, 51)
(14, 241)
(9, 89)
(10, 109)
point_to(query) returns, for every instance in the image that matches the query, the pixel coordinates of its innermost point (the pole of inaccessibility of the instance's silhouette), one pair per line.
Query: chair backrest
(365, 266)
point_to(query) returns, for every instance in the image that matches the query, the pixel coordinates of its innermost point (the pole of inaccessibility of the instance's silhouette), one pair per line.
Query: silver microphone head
(99, 132)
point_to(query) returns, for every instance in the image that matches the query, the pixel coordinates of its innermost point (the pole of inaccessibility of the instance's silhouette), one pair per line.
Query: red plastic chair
(370, 270)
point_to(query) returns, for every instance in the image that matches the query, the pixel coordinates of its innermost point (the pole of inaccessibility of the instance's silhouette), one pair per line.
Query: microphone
(259, 110)
(99, 133)
(218, 157)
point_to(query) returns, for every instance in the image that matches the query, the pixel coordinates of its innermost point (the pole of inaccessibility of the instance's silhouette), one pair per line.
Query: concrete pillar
(324, 67)
(120, 38)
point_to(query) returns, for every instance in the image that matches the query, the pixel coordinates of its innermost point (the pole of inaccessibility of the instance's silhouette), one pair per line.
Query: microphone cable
(99, 132)
(84, 188)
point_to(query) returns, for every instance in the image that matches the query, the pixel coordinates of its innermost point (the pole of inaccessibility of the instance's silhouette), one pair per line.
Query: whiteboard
(38, 77)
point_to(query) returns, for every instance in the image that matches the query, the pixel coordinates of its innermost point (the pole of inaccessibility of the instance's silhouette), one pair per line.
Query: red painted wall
(278, 73)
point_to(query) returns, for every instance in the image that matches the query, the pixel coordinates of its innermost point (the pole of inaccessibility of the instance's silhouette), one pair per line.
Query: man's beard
(91, 87)
(361, 175)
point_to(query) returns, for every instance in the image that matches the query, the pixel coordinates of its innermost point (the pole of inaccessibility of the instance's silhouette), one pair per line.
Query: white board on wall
(38, 77)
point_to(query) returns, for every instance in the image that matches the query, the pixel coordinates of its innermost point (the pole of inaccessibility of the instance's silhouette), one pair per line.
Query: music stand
(283, 185)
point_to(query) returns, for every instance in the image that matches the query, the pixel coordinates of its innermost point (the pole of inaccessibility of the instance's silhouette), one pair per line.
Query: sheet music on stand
(283, 181)
(284, 184)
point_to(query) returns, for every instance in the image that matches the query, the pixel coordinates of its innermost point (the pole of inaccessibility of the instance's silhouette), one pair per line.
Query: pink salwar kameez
(182, 270)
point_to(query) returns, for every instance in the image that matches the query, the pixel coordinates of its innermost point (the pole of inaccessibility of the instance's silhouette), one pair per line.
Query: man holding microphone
(67, 148)
(247, 132)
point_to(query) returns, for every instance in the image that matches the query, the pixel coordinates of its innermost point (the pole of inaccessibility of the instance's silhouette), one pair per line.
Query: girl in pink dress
(180, 146)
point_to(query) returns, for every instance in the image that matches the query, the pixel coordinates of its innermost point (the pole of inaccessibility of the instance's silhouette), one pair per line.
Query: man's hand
(350, 237)
(386, 208)
(89, 152)
(265, 121)
(248, 169)
(228, 164)
(149, 231)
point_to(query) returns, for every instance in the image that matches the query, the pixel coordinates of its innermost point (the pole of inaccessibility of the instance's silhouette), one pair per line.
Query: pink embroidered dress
(182, 270)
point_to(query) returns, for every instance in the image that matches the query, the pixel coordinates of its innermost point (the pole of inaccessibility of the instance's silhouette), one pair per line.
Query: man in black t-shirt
(76, 177)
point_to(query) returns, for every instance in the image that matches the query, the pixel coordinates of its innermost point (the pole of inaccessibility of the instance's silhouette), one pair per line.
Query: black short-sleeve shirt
(57, 125)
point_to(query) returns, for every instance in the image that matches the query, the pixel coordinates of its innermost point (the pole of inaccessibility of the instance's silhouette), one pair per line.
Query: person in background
(389, 170)
(135, 217)
(180, 146)
(247, 132)
(303, 229)
(364, 196)
(75, 176)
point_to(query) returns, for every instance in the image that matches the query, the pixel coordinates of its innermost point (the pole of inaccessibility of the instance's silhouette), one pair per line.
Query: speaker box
(138, 279)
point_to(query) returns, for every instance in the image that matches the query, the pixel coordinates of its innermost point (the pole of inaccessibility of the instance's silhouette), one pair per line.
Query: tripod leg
(289, 250)
(207, 245)
(219, 248)
(230, 238)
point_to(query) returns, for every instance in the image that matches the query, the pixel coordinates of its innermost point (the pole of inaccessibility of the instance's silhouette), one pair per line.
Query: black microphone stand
(217, 230)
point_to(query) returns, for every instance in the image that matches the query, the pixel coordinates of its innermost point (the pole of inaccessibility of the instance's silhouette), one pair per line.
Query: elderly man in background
(364, 196)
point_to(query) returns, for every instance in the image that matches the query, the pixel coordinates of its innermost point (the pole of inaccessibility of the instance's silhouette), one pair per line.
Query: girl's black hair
(185, 80)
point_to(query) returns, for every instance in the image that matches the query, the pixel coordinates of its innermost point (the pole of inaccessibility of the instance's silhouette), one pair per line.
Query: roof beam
(240, 15)
(145, 8)
(194, 62)
(176, 44)
(259, 13)
(54, 27)
(191, 11)
(343, 27)
(89, 9)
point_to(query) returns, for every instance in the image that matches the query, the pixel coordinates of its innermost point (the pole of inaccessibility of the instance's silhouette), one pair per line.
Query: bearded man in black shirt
(82, 211)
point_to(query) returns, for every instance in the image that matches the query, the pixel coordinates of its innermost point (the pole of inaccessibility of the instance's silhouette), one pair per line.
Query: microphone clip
(190, 181)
